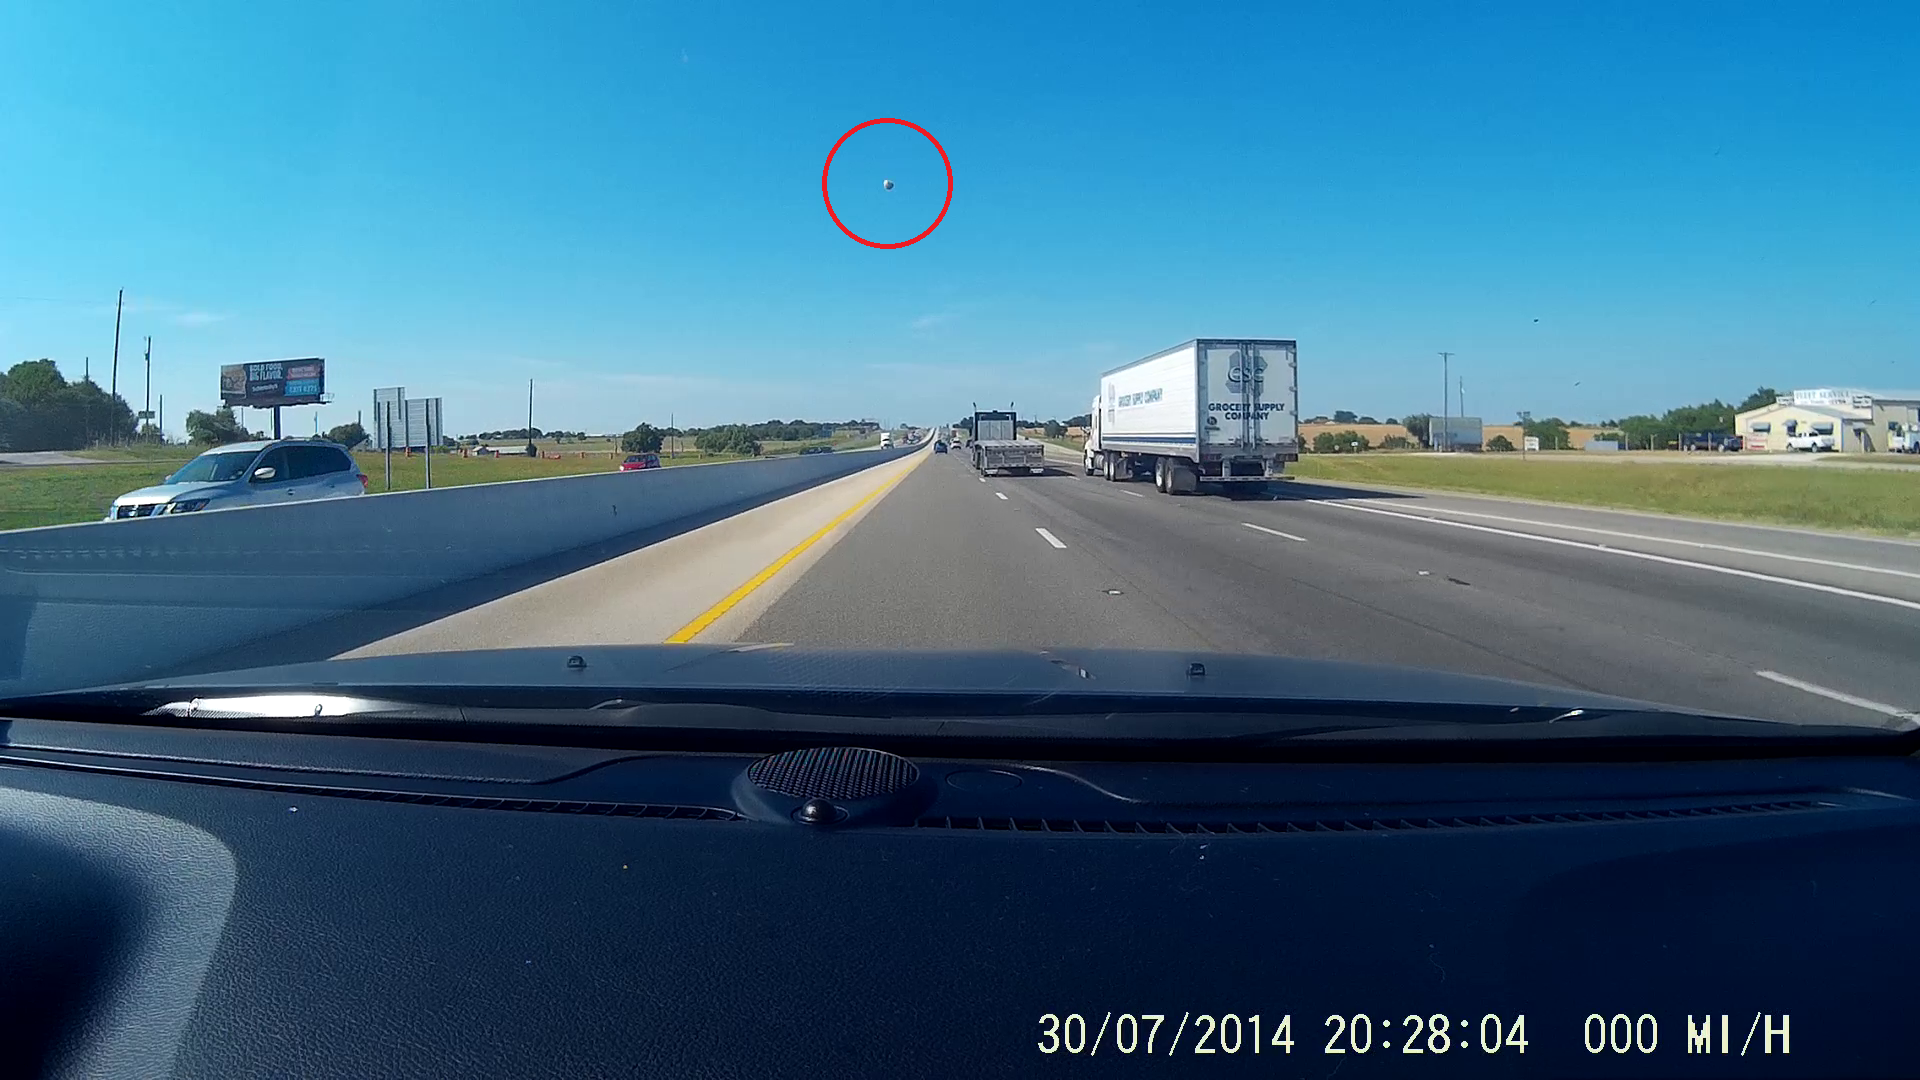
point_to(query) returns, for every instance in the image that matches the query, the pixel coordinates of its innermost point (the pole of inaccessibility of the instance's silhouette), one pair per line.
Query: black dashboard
(232, 904)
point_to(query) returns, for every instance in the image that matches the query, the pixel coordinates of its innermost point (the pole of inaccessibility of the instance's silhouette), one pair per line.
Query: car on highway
(248, 474)
(636, 462)
(939, 448)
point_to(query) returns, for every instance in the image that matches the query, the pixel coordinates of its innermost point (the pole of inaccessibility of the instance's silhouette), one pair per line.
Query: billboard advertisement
(1456, 431)
(274, 382)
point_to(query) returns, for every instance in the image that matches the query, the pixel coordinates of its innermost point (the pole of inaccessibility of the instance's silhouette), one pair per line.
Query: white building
(1860, 421)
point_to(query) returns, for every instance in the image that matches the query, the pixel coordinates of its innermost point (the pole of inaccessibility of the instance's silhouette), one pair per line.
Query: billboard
(1455, 431)
(274, 382)
(415, 423)
(389, 401)
(422, 426)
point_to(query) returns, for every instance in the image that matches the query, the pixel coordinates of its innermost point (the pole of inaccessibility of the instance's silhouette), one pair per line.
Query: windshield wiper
(1136, 727)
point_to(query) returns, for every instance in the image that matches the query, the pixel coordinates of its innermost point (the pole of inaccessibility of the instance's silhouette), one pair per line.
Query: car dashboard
(232, 903)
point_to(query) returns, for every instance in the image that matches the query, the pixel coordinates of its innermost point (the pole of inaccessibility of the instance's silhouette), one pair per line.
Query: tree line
(1639, 431)
(745, 439)
(41, 410)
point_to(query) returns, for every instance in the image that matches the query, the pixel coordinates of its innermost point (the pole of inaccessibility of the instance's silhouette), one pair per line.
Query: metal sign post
(388, 442)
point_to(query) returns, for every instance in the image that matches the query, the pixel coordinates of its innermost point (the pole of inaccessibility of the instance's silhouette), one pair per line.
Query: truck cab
(886, 440)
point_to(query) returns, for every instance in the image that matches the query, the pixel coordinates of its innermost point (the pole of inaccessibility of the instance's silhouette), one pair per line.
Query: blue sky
(1599, 209)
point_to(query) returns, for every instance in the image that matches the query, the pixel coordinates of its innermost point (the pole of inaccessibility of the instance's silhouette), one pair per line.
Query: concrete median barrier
(115, 601)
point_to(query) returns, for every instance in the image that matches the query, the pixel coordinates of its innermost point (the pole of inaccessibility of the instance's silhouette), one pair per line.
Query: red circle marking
(829, 198)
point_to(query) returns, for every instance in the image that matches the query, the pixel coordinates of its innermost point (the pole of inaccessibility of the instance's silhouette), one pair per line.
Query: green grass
(1855, 499)
(63, 494)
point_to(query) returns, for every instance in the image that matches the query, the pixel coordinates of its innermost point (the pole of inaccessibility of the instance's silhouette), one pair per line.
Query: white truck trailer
(998, 447)
(1215, 414)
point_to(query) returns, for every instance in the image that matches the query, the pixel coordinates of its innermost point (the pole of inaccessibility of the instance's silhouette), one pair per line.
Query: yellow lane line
(707, 618)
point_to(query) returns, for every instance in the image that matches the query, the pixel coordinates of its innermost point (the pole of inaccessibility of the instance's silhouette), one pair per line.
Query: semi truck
(998, 447)
(1214, 414)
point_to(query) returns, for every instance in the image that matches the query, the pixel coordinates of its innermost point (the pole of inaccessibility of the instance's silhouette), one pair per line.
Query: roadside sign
(275, 382)
(1530, 443)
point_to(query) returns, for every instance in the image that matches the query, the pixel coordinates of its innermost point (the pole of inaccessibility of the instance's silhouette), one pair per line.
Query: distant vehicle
(636, 462)
(939, 447)
(248, 474)
(998, 447)
(816, 450)
(886, 440)
(1712, 440)
(1213, 414)
(1903, 438)
(1808, 440)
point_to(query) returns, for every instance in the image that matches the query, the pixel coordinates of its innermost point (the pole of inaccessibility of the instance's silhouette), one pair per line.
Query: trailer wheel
(1160, 475)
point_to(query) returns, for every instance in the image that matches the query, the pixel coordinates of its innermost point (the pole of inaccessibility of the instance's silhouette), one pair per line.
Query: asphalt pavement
(1743, 619)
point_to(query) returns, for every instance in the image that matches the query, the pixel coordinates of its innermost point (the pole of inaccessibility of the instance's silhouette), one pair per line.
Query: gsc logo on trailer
(1237, 369)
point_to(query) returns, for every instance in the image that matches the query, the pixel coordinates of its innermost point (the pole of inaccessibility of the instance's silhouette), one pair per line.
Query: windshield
(1563, 346)
(214, 467)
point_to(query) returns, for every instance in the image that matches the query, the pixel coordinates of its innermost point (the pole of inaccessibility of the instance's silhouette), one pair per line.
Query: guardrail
(115, 601)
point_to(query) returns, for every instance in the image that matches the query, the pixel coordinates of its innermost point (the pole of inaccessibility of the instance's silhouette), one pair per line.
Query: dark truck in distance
(998, 447)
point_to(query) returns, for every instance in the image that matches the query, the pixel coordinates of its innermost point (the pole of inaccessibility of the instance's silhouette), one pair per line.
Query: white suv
(248, 474)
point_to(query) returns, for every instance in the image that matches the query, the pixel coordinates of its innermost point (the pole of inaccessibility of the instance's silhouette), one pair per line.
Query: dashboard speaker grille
(833, 772)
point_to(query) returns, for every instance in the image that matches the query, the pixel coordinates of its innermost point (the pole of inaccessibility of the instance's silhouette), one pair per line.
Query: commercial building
(1860, 421)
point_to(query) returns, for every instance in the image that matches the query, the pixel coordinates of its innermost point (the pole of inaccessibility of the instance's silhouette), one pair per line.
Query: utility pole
(1463, 397)
(531, 449)
(113, 380)
(146, 408)
(1446, 428)
(1525, 419)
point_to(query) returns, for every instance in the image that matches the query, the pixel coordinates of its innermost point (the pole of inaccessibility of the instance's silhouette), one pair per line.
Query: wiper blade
(1052, 726)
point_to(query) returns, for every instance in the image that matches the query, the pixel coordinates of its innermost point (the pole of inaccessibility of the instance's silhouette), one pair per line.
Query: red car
(640, 461)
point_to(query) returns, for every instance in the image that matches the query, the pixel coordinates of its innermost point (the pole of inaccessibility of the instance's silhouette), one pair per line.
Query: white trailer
(1215, 414)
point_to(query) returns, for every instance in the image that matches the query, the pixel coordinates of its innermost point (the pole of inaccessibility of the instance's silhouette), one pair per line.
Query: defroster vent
(842, 773)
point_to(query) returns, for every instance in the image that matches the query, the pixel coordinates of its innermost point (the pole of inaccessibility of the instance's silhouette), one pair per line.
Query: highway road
(921, 553)
(1664, 609)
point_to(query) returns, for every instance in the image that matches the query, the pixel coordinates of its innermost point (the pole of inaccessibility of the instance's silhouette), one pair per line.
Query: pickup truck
(1810, 441)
